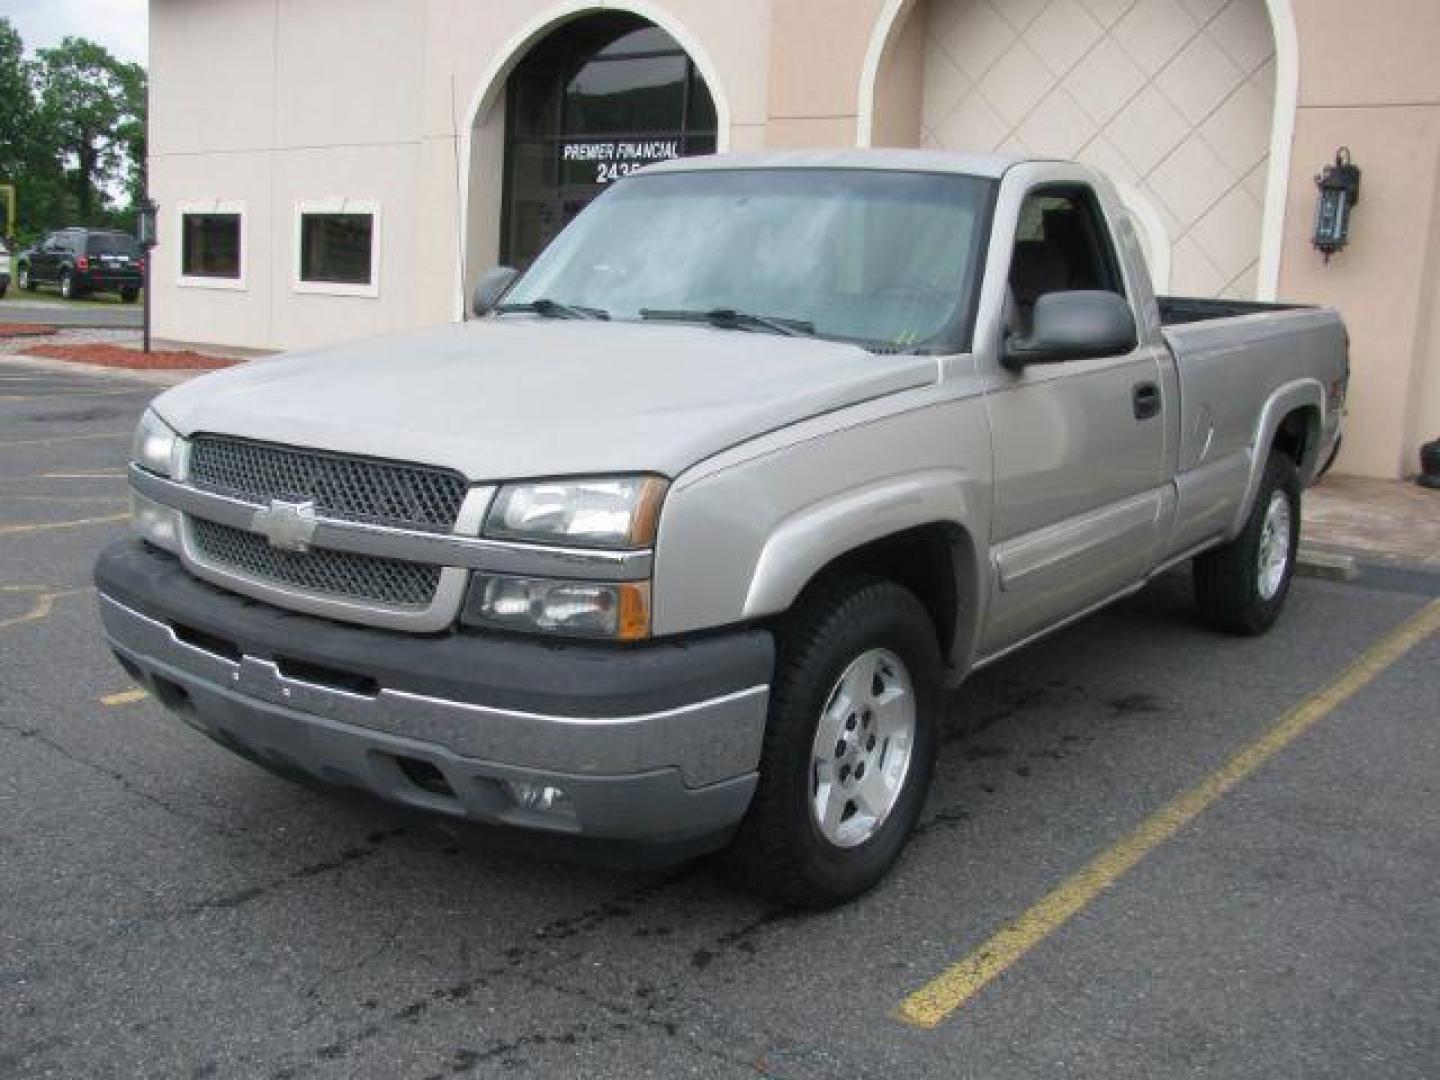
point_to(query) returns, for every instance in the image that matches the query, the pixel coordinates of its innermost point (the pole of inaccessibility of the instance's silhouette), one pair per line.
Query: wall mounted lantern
(1339, 186)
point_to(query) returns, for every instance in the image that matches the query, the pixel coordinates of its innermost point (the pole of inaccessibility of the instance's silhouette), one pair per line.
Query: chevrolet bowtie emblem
(288, 526)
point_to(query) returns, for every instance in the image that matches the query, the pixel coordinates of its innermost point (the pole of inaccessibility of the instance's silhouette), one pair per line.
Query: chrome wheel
(67, 287)
(860, 758)
(24, 277)
(1274, 553)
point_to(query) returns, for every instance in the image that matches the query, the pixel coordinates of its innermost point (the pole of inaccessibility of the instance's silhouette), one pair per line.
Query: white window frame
(338, 206)
(210, 206)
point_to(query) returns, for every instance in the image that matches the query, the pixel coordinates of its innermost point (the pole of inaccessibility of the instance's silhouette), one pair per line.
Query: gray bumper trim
(664, 776)
(707, 741)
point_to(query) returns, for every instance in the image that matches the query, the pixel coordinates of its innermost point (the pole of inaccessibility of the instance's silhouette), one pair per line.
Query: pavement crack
(125, 783)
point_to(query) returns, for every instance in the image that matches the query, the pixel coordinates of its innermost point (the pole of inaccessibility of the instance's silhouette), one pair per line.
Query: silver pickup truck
(680, 542)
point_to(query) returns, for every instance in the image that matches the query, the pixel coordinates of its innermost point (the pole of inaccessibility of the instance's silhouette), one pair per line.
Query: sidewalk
(1380, 520)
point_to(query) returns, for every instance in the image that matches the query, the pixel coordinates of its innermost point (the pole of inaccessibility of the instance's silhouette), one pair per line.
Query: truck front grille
(340, 574)
(393, 493)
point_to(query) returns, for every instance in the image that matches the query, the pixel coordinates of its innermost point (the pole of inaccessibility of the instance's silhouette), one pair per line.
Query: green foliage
(72, 134)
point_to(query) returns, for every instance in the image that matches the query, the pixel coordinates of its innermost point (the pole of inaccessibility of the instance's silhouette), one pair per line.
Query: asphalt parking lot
(1151, 851)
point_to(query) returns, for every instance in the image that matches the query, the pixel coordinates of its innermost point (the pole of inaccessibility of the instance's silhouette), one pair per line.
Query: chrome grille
(332, 573)
(390, 493)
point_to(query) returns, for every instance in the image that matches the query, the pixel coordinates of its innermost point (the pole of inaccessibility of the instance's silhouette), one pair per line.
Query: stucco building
(329, 169)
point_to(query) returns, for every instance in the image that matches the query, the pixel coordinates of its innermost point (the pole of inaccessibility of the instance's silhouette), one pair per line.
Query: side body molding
(1299, 394)
(812, 537)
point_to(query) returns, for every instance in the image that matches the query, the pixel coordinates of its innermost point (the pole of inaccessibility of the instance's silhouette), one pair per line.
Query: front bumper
(657, 743)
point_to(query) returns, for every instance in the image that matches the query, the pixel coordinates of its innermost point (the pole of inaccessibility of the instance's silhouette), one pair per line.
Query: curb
(1326, 565)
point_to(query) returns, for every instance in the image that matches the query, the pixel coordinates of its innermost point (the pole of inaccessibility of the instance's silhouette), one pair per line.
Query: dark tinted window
(112, 244)
(210, 246)
(594, 101)
(336, 248)
(1061, 244)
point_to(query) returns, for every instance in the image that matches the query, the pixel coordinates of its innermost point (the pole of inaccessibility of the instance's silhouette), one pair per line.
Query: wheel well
(1298, 434)
(935, 562)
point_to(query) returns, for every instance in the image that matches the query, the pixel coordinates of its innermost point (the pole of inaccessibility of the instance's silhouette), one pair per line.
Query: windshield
(111, 244)
(880, 257)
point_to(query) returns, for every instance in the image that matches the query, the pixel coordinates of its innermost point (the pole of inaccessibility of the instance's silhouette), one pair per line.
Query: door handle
(1147, 400)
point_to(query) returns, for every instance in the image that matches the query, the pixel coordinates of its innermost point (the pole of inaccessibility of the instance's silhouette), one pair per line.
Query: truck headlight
(617, 611)
(155, 445)
(619, 512)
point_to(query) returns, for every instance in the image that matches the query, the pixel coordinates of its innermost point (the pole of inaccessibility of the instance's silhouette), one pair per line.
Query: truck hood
(508, 398)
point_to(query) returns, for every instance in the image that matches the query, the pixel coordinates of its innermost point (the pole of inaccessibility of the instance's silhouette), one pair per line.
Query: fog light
(539, 798)
(158, 524)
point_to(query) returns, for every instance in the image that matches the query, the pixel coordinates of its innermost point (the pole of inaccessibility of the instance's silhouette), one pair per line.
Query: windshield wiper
(554, 309)
(730, 319)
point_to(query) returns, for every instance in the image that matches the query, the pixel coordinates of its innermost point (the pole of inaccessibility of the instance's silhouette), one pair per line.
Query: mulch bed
(21, 329)
(120, 357)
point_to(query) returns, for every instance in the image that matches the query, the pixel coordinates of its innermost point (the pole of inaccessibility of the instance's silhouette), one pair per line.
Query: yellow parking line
(46, 526)
(952, 988)
(62, 476)
(125, 697)
(42, 606)
(67, 438)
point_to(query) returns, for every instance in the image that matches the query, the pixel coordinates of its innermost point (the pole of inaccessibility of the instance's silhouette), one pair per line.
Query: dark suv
(82, 261)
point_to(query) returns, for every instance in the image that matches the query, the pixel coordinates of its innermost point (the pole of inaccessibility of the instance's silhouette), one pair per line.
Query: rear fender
(1300, 394)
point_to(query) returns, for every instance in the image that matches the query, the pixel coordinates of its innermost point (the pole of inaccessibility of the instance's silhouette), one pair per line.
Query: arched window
(598, 98)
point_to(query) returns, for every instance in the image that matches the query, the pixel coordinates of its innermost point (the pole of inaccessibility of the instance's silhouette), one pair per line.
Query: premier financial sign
(602, 162)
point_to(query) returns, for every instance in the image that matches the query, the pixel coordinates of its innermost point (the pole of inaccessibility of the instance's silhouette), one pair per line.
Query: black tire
(1227, 579)
(779, 849)
(129, 295)
(67, 286)
(26, 281)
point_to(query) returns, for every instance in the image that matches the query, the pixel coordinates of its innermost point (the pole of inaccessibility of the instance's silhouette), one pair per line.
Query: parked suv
(82, 261)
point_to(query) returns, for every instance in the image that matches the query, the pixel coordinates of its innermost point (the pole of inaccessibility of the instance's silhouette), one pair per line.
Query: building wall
(1172, 98)
(267, 103)
(1369, 80)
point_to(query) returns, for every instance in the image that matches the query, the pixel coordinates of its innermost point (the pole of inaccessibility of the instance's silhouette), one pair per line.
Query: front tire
(849, 744)
(1241, 588)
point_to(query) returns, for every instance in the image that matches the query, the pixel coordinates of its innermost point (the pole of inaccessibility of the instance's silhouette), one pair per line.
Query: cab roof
(989, 166)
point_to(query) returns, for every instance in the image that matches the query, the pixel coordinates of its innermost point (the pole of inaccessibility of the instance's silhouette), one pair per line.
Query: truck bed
(1175, 310)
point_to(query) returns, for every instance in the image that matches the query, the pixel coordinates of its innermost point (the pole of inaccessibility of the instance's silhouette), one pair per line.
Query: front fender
(816, 536)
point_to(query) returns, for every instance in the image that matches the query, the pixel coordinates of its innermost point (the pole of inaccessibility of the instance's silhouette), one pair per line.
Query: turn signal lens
(618, 611)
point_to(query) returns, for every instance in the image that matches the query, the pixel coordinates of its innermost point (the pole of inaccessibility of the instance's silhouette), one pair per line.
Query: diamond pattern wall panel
(1173, 98)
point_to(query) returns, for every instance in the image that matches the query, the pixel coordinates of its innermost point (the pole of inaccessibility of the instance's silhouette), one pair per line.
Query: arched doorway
(595, 99)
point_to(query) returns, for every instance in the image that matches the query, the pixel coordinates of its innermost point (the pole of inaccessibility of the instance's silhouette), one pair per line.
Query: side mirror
(1071, 325)
(491, 287)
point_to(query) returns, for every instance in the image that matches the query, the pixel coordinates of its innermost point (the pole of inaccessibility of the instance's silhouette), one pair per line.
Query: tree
(92, 108)
(72, 134)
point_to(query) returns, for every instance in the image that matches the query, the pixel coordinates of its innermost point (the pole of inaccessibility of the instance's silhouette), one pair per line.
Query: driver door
(1078, 444)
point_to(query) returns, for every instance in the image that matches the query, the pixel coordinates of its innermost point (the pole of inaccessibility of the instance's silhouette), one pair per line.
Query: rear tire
(859, 657)
(129, 295)
(1241, 588)
(26, 281)
(67, 286)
